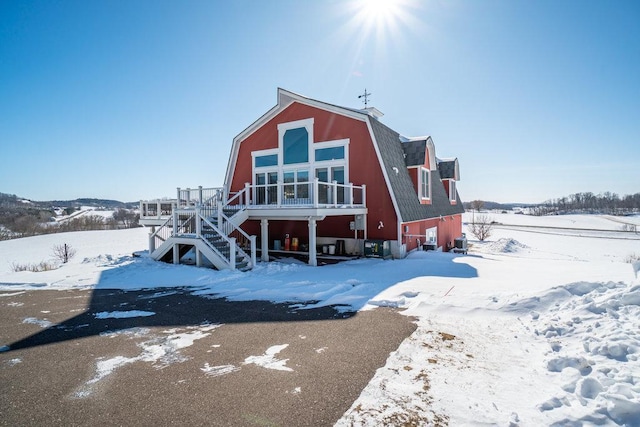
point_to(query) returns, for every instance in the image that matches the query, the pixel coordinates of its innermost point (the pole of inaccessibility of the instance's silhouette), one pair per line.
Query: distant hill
(9, 200)
(500, 206)
(20, 217)
(97, 203)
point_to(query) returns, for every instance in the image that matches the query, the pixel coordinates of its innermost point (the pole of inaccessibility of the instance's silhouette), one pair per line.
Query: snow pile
(593, 332)
(504, 246)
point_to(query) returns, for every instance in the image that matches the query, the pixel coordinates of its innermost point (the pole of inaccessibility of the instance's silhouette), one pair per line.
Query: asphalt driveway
(76, 358)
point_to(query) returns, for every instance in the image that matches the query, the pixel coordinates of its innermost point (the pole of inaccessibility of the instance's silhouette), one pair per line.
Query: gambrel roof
(395, 153)
(404, 191)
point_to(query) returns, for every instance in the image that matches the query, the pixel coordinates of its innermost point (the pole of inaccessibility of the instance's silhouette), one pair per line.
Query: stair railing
(228, 226)
(231, 241)
(157, 238)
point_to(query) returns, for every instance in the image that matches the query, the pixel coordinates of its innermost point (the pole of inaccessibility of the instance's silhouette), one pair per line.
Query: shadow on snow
(335, 292)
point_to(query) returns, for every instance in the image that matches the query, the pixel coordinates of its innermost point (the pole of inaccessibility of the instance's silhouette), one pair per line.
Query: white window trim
(264, 169)
(260, 153)
(422, 196)
(435, 232)
(284, 127)
(311, 166)
(332, 163)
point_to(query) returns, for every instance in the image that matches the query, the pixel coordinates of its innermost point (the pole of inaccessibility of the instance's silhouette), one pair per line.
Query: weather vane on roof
(366, 96)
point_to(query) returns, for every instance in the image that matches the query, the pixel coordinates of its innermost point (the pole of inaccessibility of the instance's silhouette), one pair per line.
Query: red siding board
(364, 168)
(449, 228)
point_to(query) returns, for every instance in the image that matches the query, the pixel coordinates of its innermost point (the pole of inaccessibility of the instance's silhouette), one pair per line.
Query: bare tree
(481, 228)
(477, 205)
(63, 252)
(129, 219)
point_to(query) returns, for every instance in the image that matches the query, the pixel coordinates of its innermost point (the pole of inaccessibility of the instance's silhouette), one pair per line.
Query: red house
(315, 180)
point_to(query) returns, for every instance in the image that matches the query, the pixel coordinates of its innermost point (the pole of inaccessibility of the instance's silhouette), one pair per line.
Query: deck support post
(313, 260)
(152, 240)
(176, 254)
(198, 257)
(253, 251)
(264, 239)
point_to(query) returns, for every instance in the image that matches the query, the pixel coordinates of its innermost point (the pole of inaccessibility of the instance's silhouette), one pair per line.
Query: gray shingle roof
(393, 159)
(447, 169)
(414, 152)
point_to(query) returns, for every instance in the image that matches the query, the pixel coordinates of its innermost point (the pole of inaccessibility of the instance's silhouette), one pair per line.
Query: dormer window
(452, 191)
(425, 184)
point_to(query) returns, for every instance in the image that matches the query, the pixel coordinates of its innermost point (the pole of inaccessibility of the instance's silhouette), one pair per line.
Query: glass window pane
(303, 176)
(425, 184)
(269, 160)
(338, 175)
(288, 177)
(322, 175)
(332, 153)
(295, 146)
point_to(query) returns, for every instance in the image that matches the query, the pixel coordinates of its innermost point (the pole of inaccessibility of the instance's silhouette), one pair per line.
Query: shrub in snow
(33, 267)
(481, 227)
(63, 252)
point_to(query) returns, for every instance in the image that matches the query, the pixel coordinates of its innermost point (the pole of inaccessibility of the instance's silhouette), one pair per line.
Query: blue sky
(131, 99)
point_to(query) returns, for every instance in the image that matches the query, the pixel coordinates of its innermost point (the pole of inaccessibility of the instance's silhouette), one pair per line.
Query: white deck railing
(315, 194)
(205, 198)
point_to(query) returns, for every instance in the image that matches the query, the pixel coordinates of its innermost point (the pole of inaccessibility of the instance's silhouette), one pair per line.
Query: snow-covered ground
(84, 211)
(531, 328)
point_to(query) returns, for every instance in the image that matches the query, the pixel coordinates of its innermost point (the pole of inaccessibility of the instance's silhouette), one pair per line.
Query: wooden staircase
(211, 229)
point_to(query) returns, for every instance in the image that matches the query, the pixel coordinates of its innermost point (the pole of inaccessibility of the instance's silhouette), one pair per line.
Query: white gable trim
(431, 152)
(396, 208)
(285, 99)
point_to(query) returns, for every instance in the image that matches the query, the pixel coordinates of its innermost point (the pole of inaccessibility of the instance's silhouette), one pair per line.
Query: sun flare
(379, 9)
(382, 16)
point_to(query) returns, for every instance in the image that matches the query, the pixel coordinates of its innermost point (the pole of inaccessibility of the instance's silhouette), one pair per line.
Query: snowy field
(539, 325)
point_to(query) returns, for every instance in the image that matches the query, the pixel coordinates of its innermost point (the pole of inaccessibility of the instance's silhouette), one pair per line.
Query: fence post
(200, 195)
(178, 197)
(247, 194)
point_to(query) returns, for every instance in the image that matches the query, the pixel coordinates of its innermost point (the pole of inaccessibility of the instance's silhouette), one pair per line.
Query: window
(296, 185)
(328, 175)
(432, 235)
(295, 146)
(266, 190)
(425, 188)
(452, 190)
(332, 153)
(268, 160)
